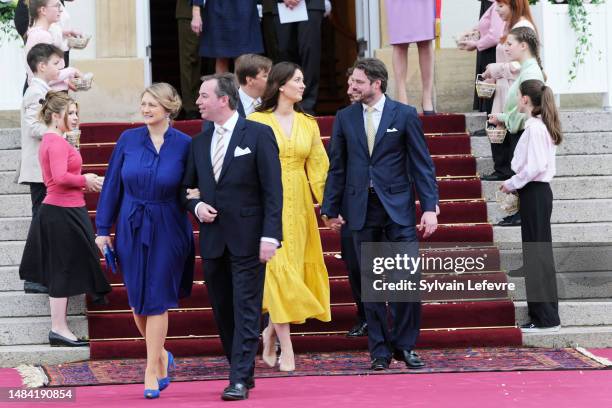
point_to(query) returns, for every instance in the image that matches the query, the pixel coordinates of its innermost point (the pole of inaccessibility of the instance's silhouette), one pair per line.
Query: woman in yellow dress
(296, 286)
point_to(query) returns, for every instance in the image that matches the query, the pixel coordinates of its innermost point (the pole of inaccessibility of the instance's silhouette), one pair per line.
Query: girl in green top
(521, 45)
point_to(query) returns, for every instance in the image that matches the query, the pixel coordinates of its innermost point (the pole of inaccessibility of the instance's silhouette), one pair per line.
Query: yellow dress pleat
(297, 284)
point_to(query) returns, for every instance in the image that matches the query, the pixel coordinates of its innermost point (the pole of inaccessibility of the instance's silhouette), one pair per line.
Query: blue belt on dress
(141, 216)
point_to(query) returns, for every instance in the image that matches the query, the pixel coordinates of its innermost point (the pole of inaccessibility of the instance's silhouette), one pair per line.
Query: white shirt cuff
(270, 240)
(196, 211)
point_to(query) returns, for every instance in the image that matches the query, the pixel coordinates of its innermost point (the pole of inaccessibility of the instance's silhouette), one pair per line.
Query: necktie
(219, 150)
(370, 129)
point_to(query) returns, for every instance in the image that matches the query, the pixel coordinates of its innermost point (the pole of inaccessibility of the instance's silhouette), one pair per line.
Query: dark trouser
(235, 289)
(190, 65)
(536, 201)
(300, 43)
(504, 152)
(38, 191)
(352, 266)
(406, 316)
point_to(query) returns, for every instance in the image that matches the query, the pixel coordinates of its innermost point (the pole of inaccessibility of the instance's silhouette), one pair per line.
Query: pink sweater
(38, 35)
(61, 169)
(504, 72)
(491, 28)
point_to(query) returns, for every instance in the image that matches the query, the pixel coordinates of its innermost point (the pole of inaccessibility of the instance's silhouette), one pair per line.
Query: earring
(281, 89)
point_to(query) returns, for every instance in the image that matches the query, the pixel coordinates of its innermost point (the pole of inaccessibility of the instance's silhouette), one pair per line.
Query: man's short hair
(226, 86)
(249, 65)
(374, 69)
(42, 53)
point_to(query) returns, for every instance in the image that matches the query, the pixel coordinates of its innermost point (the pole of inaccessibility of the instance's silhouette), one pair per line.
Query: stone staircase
(581, 223)
(24, 318)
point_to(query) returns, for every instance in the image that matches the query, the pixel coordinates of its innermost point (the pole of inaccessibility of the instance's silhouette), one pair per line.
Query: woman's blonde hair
(166, 96)
(75, 103)
(54, 102)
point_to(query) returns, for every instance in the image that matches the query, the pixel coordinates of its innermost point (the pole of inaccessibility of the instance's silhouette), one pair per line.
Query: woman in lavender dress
(412, 21)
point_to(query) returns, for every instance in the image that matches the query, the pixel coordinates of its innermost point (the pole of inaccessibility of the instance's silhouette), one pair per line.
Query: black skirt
(60, 253)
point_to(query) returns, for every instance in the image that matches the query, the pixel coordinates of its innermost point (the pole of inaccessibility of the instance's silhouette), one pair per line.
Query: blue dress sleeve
(112, 190)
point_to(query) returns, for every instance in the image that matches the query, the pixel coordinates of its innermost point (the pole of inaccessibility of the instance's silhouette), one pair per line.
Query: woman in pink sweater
(44, 13)
(60, 251)
(515, 13)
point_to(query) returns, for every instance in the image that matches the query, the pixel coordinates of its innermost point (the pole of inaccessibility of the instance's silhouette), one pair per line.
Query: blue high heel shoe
(165, 382)
(151, 394)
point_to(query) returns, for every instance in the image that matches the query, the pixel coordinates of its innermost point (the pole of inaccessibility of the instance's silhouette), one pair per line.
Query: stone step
(10, 159)
(571, 336)
(572, 121)
(575, 285)
(14, 228)
(574, 258)
(40, 354)
(585, 121)
(564, 211)
(15, 205)
(573, 143)
(9, 279)
(574, 313)
(566, 188)
(10, 138)
(578, 232)
(35, 330)
(570, 165)
(11, 252)
(21, 304)
(8, 184)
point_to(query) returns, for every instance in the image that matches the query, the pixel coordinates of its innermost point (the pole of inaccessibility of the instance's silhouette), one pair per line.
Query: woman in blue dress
(227, 29)
(154, 239)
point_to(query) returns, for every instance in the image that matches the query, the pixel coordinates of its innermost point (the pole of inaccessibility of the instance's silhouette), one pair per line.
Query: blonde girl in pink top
(44, 13)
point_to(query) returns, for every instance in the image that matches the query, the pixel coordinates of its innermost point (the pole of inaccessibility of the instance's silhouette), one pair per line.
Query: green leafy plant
(580, 23)
(7, 26)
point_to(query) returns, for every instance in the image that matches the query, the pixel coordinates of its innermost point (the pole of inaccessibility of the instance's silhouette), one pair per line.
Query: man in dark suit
(298, 42)
(235, 165)
(378, 154)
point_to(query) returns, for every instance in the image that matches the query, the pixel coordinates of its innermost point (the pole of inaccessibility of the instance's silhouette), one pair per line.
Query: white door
(143, 37)
(367, 13)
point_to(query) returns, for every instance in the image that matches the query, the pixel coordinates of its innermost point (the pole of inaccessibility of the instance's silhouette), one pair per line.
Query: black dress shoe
(235, 392)
(33, 287)
(359, 330)
(429, 112)
(510, 221)
(409, 357)
(380, 363)
(57, 340)
(517, 273)
(494, 177)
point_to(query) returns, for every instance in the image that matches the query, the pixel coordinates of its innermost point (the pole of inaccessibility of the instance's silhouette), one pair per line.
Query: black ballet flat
(57, 340)
(429, 112)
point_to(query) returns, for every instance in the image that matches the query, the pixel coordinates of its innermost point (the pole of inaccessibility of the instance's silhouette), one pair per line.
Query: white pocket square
(241, 152)
(392, 130)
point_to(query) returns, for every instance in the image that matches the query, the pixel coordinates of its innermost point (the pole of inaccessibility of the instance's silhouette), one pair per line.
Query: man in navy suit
(378, 156)
(234, 163)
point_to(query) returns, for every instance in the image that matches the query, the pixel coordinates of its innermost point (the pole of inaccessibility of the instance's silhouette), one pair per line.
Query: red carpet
(531, 389)
(450, 319)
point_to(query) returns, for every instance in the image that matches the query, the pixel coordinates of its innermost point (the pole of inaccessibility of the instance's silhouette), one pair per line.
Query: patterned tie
(219, 149)
(370, 129)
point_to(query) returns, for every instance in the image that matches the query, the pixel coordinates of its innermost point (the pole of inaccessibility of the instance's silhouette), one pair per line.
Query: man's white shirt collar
(378, 106)
(249, 104)
(42, 83)
(229, 124)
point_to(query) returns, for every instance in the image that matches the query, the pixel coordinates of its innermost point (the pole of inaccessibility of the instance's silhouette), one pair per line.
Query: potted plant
(7, 26)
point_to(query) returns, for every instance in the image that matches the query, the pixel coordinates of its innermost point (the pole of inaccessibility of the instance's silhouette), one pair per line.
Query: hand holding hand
(266, 251)
(334, 223)
(206, 213)
(429, 222)
(93, 183)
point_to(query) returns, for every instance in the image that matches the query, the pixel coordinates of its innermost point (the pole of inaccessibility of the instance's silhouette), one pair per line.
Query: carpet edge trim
(601, 360)
(32, 376)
